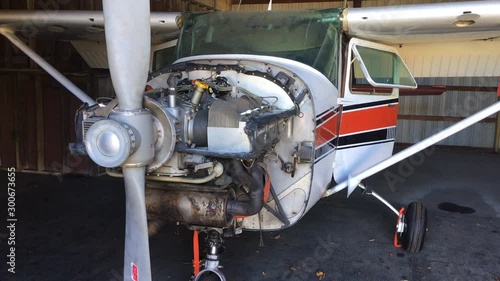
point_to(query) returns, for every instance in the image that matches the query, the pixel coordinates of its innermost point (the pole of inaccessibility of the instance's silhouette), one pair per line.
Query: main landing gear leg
(411, 225)
(215, 247)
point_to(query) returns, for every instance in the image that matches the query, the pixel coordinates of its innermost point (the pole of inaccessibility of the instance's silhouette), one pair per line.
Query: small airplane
(261, 115)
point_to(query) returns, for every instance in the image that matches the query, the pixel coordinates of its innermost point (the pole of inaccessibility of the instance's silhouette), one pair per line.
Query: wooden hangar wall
(36, 112)
(471, 79)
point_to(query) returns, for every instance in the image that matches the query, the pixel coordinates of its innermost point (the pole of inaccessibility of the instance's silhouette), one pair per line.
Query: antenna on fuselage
(270, 6)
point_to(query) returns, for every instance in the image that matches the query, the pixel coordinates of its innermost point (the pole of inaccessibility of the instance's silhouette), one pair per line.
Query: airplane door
(162, 55)
(374, 74)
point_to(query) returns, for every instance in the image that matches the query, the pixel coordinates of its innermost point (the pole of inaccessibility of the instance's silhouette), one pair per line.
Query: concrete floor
(73, 228)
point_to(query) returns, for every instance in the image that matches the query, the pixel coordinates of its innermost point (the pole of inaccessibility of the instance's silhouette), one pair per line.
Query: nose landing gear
(411, 225)
(215, 246)
(411, 228)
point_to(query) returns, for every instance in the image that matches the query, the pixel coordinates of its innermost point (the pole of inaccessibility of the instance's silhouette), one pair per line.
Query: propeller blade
(137, 264)
(128, 42)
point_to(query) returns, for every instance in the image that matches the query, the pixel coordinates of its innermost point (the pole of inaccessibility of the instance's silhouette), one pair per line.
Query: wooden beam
(30, 4)
(497, 126)
(420, 91)
(440, 118)
(424, 90)
(356, 4)
(41, 71)
(497, 133)
(8, 54)
(470, 89)
(5, 4)
(64, 135)
(10, 58)
(200, 4)
(223, 5)
(7, 45)
(40, 137)
(250, 2)
(17, 124)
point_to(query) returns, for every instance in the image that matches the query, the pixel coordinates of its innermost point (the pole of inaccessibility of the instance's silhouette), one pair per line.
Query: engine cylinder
(199, 128)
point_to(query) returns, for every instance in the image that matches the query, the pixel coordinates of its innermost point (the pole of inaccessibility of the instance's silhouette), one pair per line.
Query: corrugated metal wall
(450, 107)
(452, 59)
(450, 64)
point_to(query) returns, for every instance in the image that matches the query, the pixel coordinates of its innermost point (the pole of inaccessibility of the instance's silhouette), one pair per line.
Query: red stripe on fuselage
(368, 119)
(327, 130)
(498, 88)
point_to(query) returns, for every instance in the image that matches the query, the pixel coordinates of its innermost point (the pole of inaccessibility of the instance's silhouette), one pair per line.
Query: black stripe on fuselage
(325, 115)
(365, 144)
(370, 104)
(326, 148)
(371, 136)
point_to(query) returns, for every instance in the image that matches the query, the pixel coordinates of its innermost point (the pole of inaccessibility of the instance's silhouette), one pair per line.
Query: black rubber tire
(416, 226)
(209, 276)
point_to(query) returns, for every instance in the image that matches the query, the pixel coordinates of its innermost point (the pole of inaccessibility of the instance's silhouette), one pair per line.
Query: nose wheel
(411, 227)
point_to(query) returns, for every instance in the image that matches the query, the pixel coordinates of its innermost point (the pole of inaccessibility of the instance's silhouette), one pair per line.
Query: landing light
(463, 23)
(466, 19)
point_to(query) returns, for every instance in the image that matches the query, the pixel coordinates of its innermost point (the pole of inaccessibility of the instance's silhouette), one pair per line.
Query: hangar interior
(37, 121)
(37, 113)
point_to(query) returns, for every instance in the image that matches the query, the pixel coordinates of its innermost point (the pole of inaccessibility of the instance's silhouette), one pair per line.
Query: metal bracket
(381, 199)
(281, 213)
(368, 190)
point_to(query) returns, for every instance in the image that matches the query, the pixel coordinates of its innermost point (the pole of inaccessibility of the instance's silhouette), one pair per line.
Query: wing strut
(47, 67)
(355, 180)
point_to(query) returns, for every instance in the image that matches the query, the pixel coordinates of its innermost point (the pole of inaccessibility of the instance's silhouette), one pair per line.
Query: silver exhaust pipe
(210, 275)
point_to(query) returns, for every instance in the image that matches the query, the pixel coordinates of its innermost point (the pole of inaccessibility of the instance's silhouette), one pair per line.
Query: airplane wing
(424, 23)
(78, 25)
(85, 29)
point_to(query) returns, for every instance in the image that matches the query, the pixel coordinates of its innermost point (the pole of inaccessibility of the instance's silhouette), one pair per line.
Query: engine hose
(218, 169)
(255, 193)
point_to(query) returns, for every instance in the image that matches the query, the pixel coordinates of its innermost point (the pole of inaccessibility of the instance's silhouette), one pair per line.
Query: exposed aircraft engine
(214, 126)
(207, 119)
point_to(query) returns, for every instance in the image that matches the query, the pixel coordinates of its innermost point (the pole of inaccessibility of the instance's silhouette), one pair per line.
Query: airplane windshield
(309, 37)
